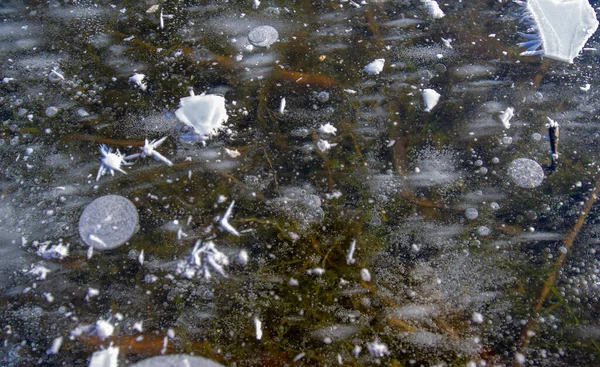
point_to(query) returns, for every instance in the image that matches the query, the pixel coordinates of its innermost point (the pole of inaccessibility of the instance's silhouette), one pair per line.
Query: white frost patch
(505, 117)
(242, 258)
(377, 349)
(138, 79)
(39, 271)
(232, 153)
(433, 9)
(104, 329)
(430, 99)
(202, 260)
(315, 271)
(91, 293)
(375, 67)
(477, 317)
(105, 358)
(328, 128)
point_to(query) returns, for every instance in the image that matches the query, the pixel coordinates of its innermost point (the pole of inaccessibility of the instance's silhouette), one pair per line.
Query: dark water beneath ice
(399, 237)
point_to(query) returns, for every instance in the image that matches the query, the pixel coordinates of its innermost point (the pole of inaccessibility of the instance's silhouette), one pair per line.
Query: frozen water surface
(351, 194)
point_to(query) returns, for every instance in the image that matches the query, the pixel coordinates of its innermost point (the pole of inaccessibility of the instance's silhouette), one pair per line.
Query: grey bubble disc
(263, 36)
(108, 222)
(177, 360)
(526, 173)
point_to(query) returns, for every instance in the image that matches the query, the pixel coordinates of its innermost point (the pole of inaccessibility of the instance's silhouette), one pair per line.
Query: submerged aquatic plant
(557, 29)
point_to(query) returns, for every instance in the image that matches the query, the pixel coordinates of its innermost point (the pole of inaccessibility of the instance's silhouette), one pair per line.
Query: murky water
(337, 217)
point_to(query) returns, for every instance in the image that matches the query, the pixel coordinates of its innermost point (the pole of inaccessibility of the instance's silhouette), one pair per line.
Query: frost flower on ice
(202, 261)
(149, 150)
(377, 349)
(110, 162)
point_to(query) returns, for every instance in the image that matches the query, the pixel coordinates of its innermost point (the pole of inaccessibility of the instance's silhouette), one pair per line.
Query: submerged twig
(553, 133)
(527, 332)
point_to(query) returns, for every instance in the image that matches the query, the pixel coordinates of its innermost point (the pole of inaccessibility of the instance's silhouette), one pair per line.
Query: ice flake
(430, 99)
(58, 251)
(365, 275)
(350, 256)
(374, 67)
(258, 327)
(505, 117)
(91, 293)
(328, 128)
(224, 221)
(447, 42)
(55, 347)
(138, 79)
(202, 260)
(282, 106)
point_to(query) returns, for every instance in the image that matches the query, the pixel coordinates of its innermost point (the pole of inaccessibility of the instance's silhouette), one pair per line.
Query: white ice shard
(374, 67)
(505, 117)
(430, 98)
(558, 29)
(205, 113)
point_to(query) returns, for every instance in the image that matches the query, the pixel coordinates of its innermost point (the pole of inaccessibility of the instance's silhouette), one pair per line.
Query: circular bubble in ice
(526, 173)
(177, 360)
(263, 36)
(108, 222)
(471, 213)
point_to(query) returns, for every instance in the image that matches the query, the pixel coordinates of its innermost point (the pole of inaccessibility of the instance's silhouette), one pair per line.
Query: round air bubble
(177, 360)
(263, 36)
(471, 213)
(51, 111)
(323, 97)
(526, 173)
(483, 231)
(108, 222)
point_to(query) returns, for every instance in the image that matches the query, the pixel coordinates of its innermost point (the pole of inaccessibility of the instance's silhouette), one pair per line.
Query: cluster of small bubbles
(526, 173)
(471, 213)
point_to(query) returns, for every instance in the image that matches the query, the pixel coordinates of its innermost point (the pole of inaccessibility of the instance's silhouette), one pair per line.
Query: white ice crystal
(505, 117)
(202, 260)
(105, 358)
(328, 128)
(430, 99)
(374, 67)
(58, 251)
(324, 145)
